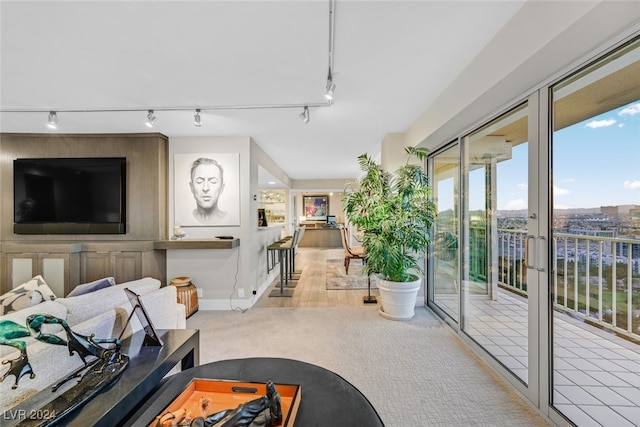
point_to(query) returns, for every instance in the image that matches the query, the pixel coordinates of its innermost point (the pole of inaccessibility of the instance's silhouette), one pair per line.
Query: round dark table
(327, 398)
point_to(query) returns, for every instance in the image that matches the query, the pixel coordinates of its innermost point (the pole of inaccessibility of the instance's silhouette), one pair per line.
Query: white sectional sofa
(103, 312)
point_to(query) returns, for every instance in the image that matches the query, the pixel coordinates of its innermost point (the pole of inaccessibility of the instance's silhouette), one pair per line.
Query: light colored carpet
(337, 279)
(415, 373)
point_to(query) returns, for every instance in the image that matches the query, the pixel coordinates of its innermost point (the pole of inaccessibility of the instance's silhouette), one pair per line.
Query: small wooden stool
(187, 294)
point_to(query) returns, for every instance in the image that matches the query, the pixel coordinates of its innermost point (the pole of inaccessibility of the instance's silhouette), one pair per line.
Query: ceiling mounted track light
(53, 120)
(151, 119)
(331, 87)
(304, 116)
(197, 118)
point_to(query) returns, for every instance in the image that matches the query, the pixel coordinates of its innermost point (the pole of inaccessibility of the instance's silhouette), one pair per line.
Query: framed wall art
(315, 208)
(206, 189)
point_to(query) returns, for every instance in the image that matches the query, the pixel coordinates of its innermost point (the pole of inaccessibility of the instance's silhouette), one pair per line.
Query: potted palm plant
(394, 212)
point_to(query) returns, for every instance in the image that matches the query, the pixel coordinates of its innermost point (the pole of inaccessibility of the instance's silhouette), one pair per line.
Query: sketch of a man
(207, 183)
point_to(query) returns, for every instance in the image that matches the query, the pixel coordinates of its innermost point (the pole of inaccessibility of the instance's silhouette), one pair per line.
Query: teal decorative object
(19, 366)
(105, 365)
(81, 345)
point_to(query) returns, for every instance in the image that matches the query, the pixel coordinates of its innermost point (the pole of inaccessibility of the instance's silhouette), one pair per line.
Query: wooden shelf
(197, 244)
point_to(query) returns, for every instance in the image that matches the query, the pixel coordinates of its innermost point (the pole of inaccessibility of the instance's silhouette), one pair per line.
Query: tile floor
(596, 374)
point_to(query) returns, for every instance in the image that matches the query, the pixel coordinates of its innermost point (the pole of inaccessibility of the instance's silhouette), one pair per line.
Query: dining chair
(350, 252)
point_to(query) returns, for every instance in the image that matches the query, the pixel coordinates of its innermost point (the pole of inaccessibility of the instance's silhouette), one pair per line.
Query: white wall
(320, 184)
(261, 238)
(392, 154)
(541, 41)
(225, 274)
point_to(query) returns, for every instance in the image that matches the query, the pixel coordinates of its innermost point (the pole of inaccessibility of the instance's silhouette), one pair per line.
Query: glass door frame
(538, 203)
(429, 295)
(540, 338)
(531, 390)
(539, 226)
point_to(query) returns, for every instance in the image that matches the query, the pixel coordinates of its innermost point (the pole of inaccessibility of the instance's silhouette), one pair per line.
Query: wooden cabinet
(321, 238)
(123, 266)
(66, 265)
(125, 261)
(59, 266)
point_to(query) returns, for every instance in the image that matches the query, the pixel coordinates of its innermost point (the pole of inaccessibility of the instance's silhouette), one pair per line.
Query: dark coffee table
(147, 367)
(327, 398)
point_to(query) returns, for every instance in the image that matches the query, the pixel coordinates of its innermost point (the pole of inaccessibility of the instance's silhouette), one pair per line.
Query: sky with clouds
(595, 163)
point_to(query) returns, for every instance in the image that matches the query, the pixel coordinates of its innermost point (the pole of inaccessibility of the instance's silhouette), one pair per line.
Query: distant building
(622, 248)
(594, 233)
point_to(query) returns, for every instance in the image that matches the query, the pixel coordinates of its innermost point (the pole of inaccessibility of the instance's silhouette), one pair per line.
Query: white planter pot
(398, 298)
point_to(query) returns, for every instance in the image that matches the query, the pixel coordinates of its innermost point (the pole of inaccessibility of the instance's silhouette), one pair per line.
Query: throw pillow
(28, 294)
(96, 285)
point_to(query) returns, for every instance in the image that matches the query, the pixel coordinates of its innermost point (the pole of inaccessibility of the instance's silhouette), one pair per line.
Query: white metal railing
(593, 277)
(511, 256)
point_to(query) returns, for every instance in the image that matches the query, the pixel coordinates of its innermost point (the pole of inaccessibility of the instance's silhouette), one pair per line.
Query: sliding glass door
(595, 285)
(536, 249)
(443, 261)
(496, 305)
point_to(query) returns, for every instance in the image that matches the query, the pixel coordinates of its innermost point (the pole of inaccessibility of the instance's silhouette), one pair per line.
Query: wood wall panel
(147, 181)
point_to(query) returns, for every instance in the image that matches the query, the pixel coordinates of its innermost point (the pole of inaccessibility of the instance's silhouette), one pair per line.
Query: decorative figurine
(178, 233)
(98, 374)
(264, 411)
(81, 344)
(20, 366)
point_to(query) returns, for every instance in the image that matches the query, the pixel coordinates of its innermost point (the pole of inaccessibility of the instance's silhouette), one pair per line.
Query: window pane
(595, 285)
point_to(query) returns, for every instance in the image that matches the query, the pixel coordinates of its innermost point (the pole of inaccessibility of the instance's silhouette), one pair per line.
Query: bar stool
(293, 273)
(283, 248)
(272, 258)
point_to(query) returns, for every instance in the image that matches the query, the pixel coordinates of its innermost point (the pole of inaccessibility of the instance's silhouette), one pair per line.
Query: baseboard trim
(237, 303)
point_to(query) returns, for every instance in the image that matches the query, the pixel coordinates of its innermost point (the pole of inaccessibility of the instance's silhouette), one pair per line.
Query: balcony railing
(593, 277)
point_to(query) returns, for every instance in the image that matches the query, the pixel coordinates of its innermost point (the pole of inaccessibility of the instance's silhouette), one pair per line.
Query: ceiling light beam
(52, 121)
(151, 119)
(169, 108)
(304, 116)
(331, 86)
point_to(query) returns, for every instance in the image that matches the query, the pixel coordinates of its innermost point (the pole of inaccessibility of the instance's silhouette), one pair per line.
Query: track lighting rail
(152, 118)
(156, 109)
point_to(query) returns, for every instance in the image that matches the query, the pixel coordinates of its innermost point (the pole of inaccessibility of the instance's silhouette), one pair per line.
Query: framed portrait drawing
(316, 208)
(206, 189)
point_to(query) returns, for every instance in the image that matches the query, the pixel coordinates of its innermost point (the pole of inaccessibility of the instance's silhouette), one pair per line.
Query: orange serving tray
(220, 395)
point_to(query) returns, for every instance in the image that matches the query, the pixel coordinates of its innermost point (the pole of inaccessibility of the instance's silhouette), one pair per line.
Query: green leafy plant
(395, 213)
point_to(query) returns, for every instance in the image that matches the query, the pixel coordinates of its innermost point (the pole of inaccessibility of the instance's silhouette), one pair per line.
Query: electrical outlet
(199, 292)
(241, 292)
(254, 292)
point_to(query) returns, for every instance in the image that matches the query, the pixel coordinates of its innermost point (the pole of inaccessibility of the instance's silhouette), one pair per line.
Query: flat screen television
(70, 195)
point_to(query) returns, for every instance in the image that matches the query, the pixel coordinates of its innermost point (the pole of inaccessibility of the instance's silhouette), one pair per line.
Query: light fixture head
(331, 87)
(151, 119)
(53, 120)
(304, 116)
(197, 119)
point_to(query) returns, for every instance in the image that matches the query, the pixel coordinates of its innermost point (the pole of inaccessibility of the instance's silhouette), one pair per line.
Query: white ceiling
(391, 60)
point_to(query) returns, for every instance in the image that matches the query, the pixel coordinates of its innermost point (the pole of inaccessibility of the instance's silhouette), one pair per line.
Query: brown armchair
(350, 252)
